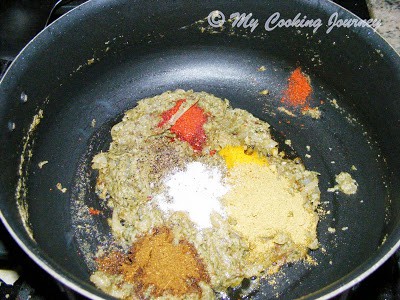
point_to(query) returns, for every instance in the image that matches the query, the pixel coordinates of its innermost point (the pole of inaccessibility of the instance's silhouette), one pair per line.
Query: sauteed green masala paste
(201, 199)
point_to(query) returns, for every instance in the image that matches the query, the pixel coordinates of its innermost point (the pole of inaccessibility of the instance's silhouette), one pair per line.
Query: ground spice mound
(189, 127)
(298, 90)
(156, 262)
(265, 211)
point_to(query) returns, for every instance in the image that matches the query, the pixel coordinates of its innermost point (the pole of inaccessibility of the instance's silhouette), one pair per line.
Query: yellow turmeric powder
(237, 154)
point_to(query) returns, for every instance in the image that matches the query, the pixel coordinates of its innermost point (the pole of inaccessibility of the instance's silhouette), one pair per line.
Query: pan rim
(38, 259)
(48, 267)
(75, 285)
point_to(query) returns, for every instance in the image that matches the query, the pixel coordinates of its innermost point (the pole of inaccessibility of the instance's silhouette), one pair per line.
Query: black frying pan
(142, 48)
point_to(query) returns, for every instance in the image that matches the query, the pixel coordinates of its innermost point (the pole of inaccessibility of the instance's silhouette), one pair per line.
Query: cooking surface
(36, 283)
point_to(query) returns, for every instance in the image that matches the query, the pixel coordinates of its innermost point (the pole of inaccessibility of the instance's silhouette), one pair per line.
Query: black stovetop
(34, 283)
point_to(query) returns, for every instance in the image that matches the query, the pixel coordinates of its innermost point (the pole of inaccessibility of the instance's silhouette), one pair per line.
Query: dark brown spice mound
(156, 261)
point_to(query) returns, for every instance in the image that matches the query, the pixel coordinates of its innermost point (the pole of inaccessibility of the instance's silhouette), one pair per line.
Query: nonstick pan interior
(111, 67)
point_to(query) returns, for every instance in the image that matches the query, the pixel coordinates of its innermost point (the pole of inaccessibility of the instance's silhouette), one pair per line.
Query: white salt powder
(195, 190)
